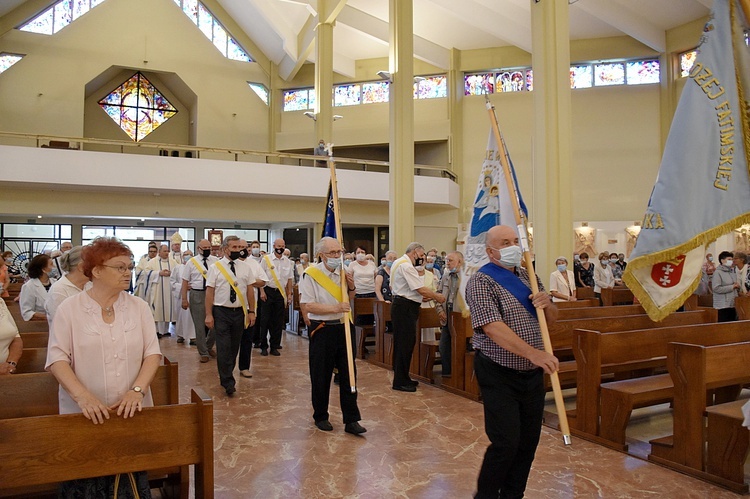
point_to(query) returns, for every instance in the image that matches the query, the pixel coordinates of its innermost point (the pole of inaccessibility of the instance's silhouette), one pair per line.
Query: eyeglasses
(334, 253)
(121, 268)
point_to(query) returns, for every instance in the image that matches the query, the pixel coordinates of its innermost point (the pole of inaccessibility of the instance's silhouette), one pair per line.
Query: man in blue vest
(321, 299)
(510, 363)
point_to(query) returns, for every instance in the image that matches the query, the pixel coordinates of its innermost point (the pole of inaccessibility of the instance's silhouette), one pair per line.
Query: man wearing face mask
(320, 150)
(304, 262)
(321, 300)
(510, 363)
(256, 256)
(246, 345)
(408, 290)
(184, 328)
(280, 272)
(230, 308)
(193, 296)
(449, 285)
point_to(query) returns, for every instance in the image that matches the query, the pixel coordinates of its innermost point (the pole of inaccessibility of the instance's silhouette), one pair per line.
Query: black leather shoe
(406, 388)
(192, 343)
(275, 352)
(413, 382)
(264, 352)
(324, 425)
(230, 391)
(355, 428)
(279, 347)
(180, 340)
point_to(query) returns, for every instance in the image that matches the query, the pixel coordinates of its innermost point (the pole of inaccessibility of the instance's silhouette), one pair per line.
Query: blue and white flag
(493, 205)
(329, 221)
(702, 190)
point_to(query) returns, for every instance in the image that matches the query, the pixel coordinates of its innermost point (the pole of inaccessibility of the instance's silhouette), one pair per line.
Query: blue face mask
(562, 268)
(453, 271)
(389, 264)
(334, 263)
(429, 266)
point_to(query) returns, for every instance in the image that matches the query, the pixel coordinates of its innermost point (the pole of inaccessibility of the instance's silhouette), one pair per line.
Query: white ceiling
(284, 29)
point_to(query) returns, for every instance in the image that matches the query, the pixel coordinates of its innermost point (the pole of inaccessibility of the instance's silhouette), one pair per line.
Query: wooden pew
(591, 312)
(600, 353)
(22, 325)
(461, 333)
(32, 360)
(694, 370)
(590, 302)
(35, 339)
(363, 306)
(427, 350)
(742, 305)
(68, 447)
(619, 295)
(383, 339)
(728, 443)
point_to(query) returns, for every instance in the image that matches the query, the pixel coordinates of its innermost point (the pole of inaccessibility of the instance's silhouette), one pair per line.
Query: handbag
(133, 485)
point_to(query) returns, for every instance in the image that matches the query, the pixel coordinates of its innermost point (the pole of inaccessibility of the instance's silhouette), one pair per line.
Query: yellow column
(551, 210)
(401, 139)
(456, 116)
(324, 75)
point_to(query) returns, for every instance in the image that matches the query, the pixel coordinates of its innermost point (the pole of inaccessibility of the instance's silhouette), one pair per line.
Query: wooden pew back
(742, 305)
(592, 312)
(32, 360)
(35, 339)
(587, 303)
(22, 325)
(68, 447)
(383, 341)
(617, 296)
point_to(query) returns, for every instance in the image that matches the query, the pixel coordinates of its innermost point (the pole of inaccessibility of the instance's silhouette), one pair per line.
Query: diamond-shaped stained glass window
(137, 107)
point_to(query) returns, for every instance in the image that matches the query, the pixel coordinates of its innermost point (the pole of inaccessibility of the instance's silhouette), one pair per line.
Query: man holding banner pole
(321, 300)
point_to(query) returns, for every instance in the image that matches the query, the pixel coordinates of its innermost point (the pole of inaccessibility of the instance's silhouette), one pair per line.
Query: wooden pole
(344, 286)
(523, 239)
(746, 9)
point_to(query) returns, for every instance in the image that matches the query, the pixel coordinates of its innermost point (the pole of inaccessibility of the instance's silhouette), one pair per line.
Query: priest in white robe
(161, 297)
(143, 277)
(184, 328)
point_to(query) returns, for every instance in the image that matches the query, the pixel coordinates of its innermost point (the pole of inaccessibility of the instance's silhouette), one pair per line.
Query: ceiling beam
(627, 21)
(377, 29)
(513, 30)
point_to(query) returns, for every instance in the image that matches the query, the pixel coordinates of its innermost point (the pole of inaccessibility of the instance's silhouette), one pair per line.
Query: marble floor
(427, 444)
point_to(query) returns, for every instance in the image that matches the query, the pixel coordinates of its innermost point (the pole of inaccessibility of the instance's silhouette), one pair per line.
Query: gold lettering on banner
(713, 89)
(652, 221)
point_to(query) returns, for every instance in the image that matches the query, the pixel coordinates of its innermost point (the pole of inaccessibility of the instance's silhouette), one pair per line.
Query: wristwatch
(138, 389)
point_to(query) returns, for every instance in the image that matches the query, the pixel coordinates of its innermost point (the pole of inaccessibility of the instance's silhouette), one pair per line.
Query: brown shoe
(212, 352)
(204, 359)
(245, 373)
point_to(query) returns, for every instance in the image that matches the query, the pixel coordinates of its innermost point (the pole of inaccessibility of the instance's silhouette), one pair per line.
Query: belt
(516, 372)
(230, 308)
(328, 322)
(399, 297)
(193, 289)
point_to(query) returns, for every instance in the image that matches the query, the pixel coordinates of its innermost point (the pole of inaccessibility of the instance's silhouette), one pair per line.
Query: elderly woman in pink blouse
(103, 348)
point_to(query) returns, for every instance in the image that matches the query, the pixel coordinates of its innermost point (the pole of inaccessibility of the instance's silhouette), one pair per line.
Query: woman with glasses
(103, 348)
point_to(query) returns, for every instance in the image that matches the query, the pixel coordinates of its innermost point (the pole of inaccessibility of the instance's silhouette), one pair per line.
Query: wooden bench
(600, 353)
(32, 360)
(360, 307)
(428, 350)
(592, 312)
(696, 369)
(588, 303)
(68, 447)
(742, 306)
(383, 338)
(728, 443)
(21, 324)
(619, 295)
(35, 339)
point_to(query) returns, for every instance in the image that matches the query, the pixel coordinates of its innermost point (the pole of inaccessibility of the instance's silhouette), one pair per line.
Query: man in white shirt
(274, 297)
(321, 299)
(246, 345)
(408, 290)
(193, 296)
(230, 308)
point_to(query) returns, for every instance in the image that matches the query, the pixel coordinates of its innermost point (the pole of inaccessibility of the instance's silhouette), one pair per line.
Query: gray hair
(561, 258)
(71, 259)
(391, 252)
(228, 239)
(413, 246)
(322, 244)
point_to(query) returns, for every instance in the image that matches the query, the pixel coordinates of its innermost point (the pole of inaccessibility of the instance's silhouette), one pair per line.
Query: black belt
(229, 308)
(516, 372)
(399, 297)
(193, 289)
(327, 322)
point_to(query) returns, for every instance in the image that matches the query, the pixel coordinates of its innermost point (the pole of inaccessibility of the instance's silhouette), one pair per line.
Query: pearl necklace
(108, 311)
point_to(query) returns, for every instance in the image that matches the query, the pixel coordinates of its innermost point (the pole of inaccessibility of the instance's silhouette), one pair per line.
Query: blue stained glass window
(432, 87)
(213, 30)
(642, 72)
(346, 95)
(7, 60)
(609, 74)
(581, 76)
(297, 100)
(58, 16)
(260, 90)
(375, 91)
(687, 59)
(479, 84)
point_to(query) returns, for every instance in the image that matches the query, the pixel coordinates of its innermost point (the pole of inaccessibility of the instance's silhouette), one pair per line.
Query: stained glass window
(431, 87)
(580, 76)
(346, 95)
(297, 100)
(137, 107)
(511, 81)
(7, 60)
(479, 83)
(641, 72)
(529, 80)
(260, 90)
(375, 91)
(213, 30)
(687, 59)
(609, 74)
(58, 16)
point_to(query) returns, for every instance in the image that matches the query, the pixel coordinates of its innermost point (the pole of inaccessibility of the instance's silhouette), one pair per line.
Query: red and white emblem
(668, 274)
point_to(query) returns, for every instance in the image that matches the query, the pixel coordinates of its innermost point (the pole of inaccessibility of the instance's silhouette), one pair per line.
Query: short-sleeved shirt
(8, 331)
(312, 292)
(192, 275)
(106, 358)
(283, 267)
(222, 289)
(405, 280)
(364, 277)
(490, 302)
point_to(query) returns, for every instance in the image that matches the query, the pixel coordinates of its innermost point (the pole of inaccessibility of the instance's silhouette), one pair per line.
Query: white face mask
(419, 268)
(334, 263)
(255, 251)
(361, 257)
(729, 262)
(510, 256)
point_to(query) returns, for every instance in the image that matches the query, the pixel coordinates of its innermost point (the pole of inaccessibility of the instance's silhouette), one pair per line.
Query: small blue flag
(329, 222)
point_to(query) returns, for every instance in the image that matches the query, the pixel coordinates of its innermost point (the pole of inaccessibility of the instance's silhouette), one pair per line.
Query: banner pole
(523, 239)
(344, 286)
